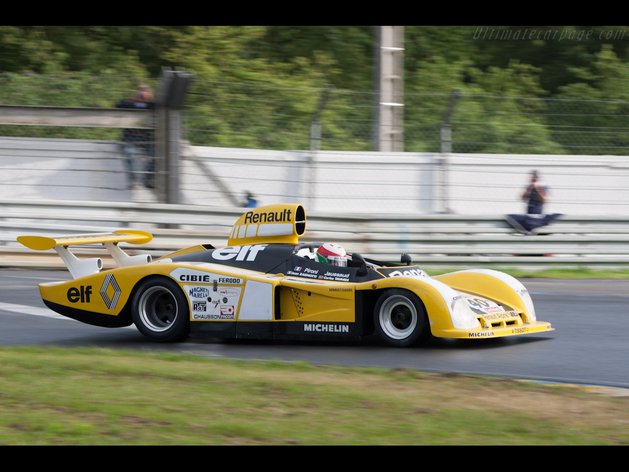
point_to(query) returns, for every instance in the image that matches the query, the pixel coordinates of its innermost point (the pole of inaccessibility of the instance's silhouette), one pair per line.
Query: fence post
(445, 131)
(169, 103)
(388, 133)
(315, 144)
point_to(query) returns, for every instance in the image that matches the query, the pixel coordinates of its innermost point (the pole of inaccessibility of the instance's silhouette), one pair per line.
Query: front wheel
(160, 310)
(400, 318)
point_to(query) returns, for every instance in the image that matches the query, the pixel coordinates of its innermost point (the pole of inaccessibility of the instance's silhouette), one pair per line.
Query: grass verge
(52, 396)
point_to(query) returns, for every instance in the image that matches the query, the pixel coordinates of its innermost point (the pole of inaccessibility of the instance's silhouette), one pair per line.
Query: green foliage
(558, 90)
(604, 88)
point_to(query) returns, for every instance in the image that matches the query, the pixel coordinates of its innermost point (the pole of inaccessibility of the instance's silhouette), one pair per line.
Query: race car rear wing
(81, 267)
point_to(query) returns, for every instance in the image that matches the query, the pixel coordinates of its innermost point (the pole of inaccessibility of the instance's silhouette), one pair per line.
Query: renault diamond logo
(110, 291)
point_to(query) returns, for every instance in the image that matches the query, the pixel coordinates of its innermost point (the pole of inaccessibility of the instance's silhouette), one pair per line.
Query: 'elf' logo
(81, 294)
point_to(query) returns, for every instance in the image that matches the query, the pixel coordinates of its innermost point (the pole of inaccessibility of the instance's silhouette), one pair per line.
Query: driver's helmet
(333, 254)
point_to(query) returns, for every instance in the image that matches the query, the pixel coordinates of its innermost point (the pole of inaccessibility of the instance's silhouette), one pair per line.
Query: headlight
(528, 303)
(462, 316)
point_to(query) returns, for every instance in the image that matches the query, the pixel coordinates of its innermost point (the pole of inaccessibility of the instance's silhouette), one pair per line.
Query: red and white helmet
(333, 254)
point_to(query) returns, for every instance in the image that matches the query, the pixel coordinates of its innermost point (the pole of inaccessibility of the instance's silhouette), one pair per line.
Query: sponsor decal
(229, 291)
(110, 291)
(482, 306)
(520, 330)
(207, 306)
(304, 272)
(507, 315)
(307, 272)
(81, 294)
(213, 316)
(414, 273)
(326, 328)
(340, 289)
(337, 276)
(268, 217)
(189, 275)
(199, 306)
(229, 280)
(199, 292)
(481, 334)
(227, 310)
(238, 253)
(195, 278)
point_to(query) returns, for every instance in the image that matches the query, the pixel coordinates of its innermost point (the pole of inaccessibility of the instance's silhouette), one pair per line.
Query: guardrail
(84, 117)
(434, 241)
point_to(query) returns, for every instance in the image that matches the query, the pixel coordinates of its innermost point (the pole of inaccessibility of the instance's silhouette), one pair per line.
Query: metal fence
(277, 117)
(434, 241)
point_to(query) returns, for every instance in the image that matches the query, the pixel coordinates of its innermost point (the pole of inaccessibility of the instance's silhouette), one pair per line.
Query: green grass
(52, 396)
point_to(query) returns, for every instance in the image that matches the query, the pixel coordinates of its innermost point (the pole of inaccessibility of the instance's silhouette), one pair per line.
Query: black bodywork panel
(279, 259)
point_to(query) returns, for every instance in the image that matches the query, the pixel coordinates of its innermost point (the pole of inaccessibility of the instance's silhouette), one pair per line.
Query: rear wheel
(160, 310)
(400, 318)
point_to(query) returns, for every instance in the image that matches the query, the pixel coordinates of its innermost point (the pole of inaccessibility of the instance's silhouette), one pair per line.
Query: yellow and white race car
(265, 284)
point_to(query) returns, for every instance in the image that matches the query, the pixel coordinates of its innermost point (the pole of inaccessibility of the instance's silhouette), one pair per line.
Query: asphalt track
(589, 346)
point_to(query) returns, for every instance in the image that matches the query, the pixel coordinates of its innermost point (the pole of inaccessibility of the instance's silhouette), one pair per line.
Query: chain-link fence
(275, 116)
(528, 125)
(264, 116)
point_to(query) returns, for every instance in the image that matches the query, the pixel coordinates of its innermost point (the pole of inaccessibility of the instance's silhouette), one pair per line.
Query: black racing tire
(160, 310)
(400, 318)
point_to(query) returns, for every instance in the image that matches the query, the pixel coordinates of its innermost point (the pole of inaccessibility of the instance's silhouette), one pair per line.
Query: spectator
(535, 195)
(138, 145)
(250, 201)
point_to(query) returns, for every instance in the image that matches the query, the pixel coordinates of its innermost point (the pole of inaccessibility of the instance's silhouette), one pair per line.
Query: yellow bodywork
(509, 323)
(317, 301)
(324, 301)
(74, 293)
(42, 243)
(314, 301)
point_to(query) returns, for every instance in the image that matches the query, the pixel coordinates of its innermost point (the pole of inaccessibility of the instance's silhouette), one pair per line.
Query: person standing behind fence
(535, 195)
(138, 144)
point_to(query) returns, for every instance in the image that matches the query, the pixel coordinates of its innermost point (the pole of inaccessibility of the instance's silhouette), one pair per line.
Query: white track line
(31, 310)
(38, 311)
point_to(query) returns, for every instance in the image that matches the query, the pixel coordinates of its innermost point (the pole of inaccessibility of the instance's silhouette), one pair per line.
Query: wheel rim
(158, 309)
(398, 317)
